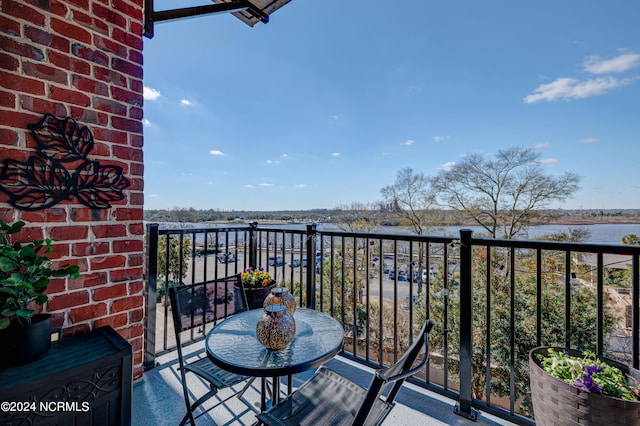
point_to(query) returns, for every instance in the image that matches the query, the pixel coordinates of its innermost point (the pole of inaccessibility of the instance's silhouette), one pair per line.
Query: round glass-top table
(232, 344)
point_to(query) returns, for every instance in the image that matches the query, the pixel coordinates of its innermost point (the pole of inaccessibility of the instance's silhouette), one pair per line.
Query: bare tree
(357, 217)
(504, 193)
(410, 198)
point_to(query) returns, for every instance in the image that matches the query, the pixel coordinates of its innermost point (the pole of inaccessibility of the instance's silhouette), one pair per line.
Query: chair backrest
(396, 374)
(202, 303)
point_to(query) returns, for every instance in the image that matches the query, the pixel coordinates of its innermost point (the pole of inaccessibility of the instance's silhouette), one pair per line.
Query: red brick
(45, 72)
(128, 39)
(128, 214)
(136, 113)
(127, 304)
(88, 312)
(115, 321)
(75, 329)
(109, 76)
(51, 214)
(127, 246)
(88, 215)
(132, 333)
(98, 26)
(70, 96)
(115, 291)
(107, 45)
(127, 96)
(110, 106)
(107, 262)
(57, 8)
(90, 55)
(109, 15)
(8, 137)
(29, 233)
(136, 57)
(136, 85)
(9, 26)
(8, 62)
(69, 63)
(59, 250)
(57, 319)
(42, 105)
(110, 135)
(119, 275)
(63, 301)
(136, 315)
(109, 231)
(127, 153)
(37, 35)
(67, 233)
(136, 229)
(136, 28)
(57, 286)
(19, 10)
(82, 4)
(136, 287)
(19, 120)
(70, 30)
(128, 9)
(23, 49)
(88, 280)
(88, 85)
(22, 84)
(93, 248)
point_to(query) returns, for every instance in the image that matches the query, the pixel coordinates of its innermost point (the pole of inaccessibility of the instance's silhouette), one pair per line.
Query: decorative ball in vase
(281, 295)
(276, 328)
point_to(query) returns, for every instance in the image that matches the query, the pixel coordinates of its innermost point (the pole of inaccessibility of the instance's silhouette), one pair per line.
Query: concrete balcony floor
(157, 398)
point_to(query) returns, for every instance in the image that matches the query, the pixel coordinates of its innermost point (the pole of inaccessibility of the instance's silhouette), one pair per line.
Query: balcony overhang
(248, 11)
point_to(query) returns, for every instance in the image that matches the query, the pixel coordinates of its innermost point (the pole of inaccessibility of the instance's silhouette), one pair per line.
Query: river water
(607, 233)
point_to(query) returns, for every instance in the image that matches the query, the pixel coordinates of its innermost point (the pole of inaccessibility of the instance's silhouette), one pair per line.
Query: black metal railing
(492, 300)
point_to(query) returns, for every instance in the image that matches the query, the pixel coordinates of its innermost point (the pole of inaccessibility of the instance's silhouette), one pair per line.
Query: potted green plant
(24, 276)
(571, 387)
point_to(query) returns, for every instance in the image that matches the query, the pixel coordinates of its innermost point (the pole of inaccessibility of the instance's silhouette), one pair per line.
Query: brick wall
(83, 59)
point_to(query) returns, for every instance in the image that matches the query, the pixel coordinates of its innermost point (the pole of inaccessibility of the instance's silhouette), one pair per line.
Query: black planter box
(84, 380)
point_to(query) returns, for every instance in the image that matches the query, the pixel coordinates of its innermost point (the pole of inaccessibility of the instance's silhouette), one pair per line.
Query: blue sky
(322, 106)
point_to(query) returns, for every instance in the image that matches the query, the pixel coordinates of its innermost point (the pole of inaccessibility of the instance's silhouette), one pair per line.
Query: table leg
(263, 396)
(290, 385)
(275, 396)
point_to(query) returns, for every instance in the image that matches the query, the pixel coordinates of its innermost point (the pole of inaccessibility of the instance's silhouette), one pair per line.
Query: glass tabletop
(233, 345)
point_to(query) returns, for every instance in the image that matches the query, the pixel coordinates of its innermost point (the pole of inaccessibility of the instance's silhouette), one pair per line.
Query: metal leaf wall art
(61, 170)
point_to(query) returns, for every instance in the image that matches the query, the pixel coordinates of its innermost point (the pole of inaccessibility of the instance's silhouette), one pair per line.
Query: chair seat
(218, 377)
(326, 399)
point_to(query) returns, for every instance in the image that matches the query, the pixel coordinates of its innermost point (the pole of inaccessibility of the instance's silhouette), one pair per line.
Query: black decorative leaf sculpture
(45, 181)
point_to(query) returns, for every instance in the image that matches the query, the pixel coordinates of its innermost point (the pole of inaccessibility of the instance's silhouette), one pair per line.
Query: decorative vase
(256, 295)
(281, 296)
(559, 403)
(25, 344)
(276, 328)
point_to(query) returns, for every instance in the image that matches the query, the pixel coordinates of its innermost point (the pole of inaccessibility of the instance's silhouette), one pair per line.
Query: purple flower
(249, 270)
(260, 268)
(588, 384)
(590, 369)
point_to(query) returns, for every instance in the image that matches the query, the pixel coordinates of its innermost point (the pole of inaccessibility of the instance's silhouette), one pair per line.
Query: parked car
(276, 261)
(296, 263)
(227, 257)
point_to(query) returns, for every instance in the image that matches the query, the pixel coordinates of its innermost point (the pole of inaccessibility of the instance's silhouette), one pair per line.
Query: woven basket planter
(558, 403)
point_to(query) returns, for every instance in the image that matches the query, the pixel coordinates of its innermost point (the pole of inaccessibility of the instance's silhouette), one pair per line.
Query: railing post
(253, 244)
(463, 407)
(151, 261)
(311, 270)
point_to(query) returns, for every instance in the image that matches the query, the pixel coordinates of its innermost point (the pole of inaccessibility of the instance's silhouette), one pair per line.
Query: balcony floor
(157, 399)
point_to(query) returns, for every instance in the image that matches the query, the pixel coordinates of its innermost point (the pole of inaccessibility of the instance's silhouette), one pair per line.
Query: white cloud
(439, 139)
(588, 140)
(336, 116)
(146, 122)
(551, 162)
(216, 153)
(448, 166)
(150, 94)
(622, 63)
(285, 155)
(335, 154)
(266, 185)
(271, 162)
(409, 142)
(570, 89)
(248, 185)
(300, 185)
(154, 196)
(541, 145)
(185, 102)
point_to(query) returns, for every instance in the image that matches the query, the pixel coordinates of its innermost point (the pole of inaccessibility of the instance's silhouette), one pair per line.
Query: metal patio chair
(193, 306)
(329, 398)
